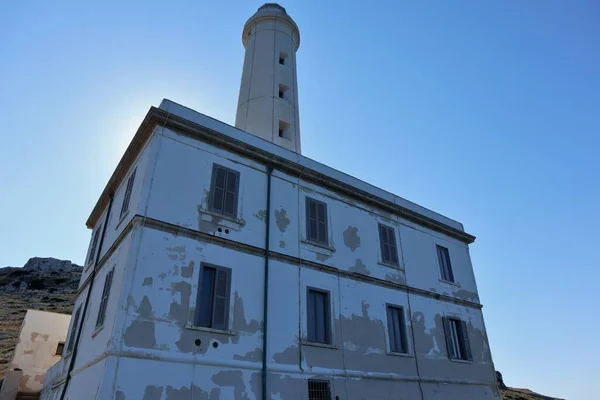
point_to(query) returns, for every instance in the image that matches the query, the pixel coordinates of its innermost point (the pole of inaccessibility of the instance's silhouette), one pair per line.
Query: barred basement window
(457, 339)
(73, 331)
(212, 305)
(318, 390)
(316, 221)
(125, 205)
(224, 190)
(444, 263)
(104, 300)
(387, 240)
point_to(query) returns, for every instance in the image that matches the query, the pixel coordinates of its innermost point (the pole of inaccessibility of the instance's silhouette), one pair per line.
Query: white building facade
(225, 265)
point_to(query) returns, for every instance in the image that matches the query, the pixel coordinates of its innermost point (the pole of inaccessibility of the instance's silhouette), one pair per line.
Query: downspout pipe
(266, 285)
(87, 300)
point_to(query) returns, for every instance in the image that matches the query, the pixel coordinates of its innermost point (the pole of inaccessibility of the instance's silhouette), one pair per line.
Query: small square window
(60, 348)
(285, 130)
(282, 58)
(283, 91)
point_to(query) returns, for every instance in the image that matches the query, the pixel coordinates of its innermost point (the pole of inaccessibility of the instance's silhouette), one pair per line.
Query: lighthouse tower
(268, 100)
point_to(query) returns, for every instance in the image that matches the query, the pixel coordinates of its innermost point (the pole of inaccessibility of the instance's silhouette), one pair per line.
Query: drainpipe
(87, 300)
(266, 285)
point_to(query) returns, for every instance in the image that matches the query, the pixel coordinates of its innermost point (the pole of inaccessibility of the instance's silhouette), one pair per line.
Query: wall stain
(290, 356)
(359, 268)
(351, 238)
(261, 215)
(396, 278)
(281, 244)
(153, 392)
(231, 378)
(119, 395)
(148, 281)
(187, 272)
(323, 257)
(281, 219)
(141, 332)
(254, 355)
(178, 311)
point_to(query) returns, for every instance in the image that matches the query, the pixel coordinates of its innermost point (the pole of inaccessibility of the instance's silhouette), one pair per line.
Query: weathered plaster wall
(137, 201)
(36, 349)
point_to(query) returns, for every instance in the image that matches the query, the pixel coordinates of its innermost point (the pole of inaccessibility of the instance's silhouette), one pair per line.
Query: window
(94, 244)
(316, 221)
(284, 130)
(282, 58)
(212, 305)
(396, 329)
(387, 239)
(74, 330)
(444, 261)
(318, 316)
(318, 390)
(125, 206)
(104, 300)
(224, 191)
(457, 340)
(282, 91)
(60, 348)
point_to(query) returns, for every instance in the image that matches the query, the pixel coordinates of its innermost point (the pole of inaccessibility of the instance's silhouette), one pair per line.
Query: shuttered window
(125, 205)
(224, 191)
(316, 221)
(74, 330)
(457, 339)
(396, 329)
(444, 262)
(104, 300)
(387, 239)
(212, 306)
(95, 238)
(318, 320)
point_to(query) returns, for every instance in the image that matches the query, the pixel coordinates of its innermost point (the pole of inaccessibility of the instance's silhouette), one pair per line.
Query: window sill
(449, 282)
(323, 345)
(319, 246)
(210, 330)
(457, 360)
(97, 331)
(395, 353)
(221, 220)
(121, 219)
(390, 265)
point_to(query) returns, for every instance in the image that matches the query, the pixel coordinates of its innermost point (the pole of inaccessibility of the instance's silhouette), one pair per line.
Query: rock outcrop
(45, 284)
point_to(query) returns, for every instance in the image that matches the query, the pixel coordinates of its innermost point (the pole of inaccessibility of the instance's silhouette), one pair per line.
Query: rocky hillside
(45, 284)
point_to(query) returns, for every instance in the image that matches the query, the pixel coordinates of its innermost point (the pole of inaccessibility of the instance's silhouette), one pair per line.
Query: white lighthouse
(268, 100)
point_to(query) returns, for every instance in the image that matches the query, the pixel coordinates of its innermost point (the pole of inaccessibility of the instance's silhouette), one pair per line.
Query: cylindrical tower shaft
(268, 100)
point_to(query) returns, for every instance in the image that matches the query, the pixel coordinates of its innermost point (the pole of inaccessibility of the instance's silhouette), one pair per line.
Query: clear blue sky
(485, 111)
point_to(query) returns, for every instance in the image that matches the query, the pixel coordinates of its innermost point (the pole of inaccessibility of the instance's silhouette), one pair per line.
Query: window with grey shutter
(224, 191)
(74, 330)
(128, 189)
(316, 221)
(444, 262)
(318, 320)
(94, 244)
(212, 305)
(387, 239)
(396, 329)
(104, 299)
(457, 339)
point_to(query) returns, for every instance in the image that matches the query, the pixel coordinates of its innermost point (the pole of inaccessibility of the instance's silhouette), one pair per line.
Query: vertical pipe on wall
(87, 300)
(266, 285)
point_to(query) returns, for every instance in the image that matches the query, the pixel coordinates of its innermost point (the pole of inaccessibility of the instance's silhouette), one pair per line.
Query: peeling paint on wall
(360, 268)
(281, 219)
(281, 244)
(152, 392)
(141, 332)
(351, 238)
(147, 281)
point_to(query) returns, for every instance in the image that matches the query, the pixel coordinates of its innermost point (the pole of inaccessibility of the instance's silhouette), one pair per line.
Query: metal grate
(318, 390)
